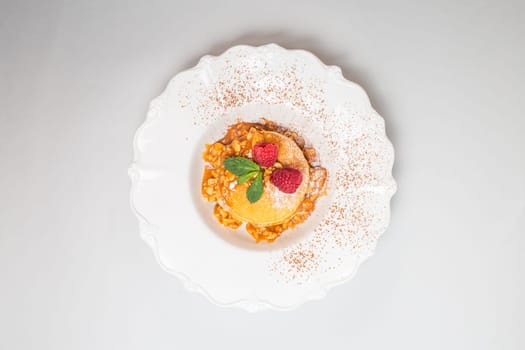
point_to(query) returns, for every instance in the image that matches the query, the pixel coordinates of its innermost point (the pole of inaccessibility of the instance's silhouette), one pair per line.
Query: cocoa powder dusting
(358, 150)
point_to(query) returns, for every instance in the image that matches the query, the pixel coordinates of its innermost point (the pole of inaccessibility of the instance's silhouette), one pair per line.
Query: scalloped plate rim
(146, 234)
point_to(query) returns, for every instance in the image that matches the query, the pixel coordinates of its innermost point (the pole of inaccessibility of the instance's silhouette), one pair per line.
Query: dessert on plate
(264, 175)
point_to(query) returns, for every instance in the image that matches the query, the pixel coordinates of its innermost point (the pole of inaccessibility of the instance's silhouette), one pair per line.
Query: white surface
(228, 266)
(75, 82)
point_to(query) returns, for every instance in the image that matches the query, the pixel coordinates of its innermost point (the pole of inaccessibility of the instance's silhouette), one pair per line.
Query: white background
(76, 78)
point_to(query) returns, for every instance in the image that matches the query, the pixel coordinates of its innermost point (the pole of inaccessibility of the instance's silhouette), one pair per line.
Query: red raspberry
(265, 153)
(287, 180)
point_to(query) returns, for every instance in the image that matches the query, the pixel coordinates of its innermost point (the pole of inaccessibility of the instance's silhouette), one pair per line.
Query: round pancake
(274, 206)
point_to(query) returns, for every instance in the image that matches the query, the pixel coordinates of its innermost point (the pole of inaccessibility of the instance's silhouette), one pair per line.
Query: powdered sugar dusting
(282, 200)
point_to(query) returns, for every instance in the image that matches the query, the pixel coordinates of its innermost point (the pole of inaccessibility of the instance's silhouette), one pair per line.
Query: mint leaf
(245, 170)
(248, 176)
(255, 190)
(240, 166)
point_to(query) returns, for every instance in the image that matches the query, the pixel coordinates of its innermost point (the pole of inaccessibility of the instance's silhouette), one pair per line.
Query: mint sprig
(245, 170)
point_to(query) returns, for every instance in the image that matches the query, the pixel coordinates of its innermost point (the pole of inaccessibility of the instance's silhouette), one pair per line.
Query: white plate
(295, 89)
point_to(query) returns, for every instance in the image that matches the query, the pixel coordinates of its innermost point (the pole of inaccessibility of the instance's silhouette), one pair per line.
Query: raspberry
(287, 180)
(265, 153)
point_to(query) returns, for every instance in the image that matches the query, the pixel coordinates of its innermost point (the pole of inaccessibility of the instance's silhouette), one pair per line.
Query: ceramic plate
(295, 89)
